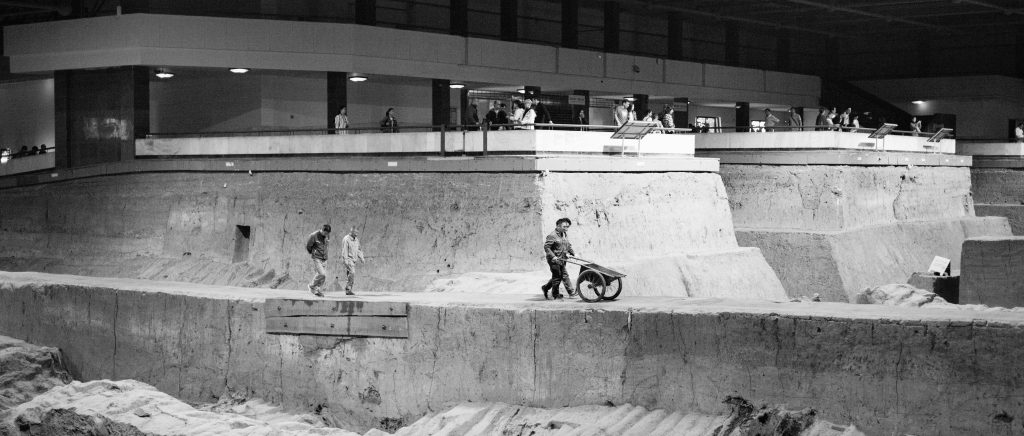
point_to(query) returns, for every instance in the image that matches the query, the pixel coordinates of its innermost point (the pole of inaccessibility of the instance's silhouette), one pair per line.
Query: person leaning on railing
(390, 122)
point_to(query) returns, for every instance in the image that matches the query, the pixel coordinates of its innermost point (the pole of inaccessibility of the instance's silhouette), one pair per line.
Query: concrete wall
(887, 370)
(26, 115)
(834, 230)
(218, 101)
(167, 40)
(416, 227)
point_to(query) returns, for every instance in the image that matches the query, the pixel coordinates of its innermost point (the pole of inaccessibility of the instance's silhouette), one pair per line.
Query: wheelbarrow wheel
(613, 289)
(590, 286)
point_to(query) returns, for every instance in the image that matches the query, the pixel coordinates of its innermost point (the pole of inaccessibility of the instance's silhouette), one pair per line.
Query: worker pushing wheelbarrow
(594, 283)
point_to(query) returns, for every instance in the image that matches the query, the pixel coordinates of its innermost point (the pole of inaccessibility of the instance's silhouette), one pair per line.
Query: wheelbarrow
(595, 282)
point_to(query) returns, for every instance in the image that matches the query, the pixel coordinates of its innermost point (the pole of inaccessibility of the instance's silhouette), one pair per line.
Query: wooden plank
(363, 326)
(290, 307)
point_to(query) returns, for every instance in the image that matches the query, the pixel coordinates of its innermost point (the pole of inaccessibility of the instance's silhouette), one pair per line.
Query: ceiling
(852, 19)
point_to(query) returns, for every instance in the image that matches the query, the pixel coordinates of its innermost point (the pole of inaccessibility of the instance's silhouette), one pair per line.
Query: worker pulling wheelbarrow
(594, 282)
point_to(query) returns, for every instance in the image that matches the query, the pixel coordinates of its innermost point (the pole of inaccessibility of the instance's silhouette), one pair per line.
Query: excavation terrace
(185, 268)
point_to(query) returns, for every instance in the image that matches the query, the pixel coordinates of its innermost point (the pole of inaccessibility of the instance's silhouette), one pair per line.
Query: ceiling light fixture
(164, 74)
(918, 102)
(356, 78)
(239, 70)
(521, 90)
(457, 86)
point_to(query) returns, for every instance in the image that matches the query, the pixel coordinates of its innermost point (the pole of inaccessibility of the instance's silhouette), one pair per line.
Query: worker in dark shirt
(557, 249)
(316, 246)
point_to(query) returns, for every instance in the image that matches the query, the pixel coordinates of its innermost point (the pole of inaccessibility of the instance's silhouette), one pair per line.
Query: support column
(675, 35)
(459, 24)
(831, 57)
(98, 114)
(681, 117)
(611, 26)
(440, 101)
(509, 20)
(641, 105)
(337, 95)
(366, 12)
(570, 23)
(742, 116)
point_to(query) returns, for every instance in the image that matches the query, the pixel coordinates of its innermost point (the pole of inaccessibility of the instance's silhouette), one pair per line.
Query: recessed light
(164, 74)
(239, 70)
(521, 90)
(918, 102)
(357, 78)
(457, 86)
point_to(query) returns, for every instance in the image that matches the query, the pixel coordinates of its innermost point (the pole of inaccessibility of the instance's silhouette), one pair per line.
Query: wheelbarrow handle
(578, 261)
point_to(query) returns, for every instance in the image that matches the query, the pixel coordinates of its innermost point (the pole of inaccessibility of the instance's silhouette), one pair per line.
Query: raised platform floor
(885, 369)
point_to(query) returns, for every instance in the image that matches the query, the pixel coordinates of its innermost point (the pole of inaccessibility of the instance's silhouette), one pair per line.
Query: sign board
(577, 100)
(938, 136)
(635, 129)
(939, 266)
(883, 130)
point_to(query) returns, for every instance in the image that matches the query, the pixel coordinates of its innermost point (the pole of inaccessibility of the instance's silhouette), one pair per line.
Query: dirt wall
(824, 198)
(1000, 192)
(416, 227)
(887, 370)
(833, 230)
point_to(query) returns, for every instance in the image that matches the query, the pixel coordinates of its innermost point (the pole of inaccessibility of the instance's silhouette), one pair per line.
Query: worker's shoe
(545, 290)
(556, 296)
(348, 291)
(315, 291)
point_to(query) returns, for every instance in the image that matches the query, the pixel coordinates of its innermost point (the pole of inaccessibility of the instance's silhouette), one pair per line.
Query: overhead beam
(693, 12)
(833, 7)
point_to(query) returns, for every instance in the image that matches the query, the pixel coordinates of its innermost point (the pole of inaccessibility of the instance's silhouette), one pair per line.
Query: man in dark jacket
(543, 114)
(316, 246)
(557, 248)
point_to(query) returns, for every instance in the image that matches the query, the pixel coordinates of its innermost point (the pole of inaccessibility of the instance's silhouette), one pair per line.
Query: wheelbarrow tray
(607, 272)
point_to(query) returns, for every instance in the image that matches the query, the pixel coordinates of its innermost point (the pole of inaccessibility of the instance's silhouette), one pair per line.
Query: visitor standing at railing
(856, 122)
(844, 118)
(530, 116)
(1018, 133)
(668, 117)
(581, 119)
(915, 125)
(341, 120)
(829, 124)
(820, 120)
(770, 120)
(502, 116)
(518, 114)
(390, 122)
(492, 116)
(621, 113)
(631, 110)
(795, 120)
(471, 119)
(543, 115)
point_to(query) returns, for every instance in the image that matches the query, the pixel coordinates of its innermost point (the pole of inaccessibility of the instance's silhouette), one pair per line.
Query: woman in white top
(915, 125)
(529, 116)
(856, 122)
(517, 114)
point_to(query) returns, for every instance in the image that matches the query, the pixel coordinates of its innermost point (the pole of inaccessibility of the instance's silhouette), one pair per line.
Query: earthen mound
(502, 419)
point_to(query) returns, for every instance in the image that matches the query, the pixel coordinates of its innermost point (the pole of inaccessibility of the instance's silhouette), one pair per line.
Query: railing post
(487, 129)
(444, 128)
